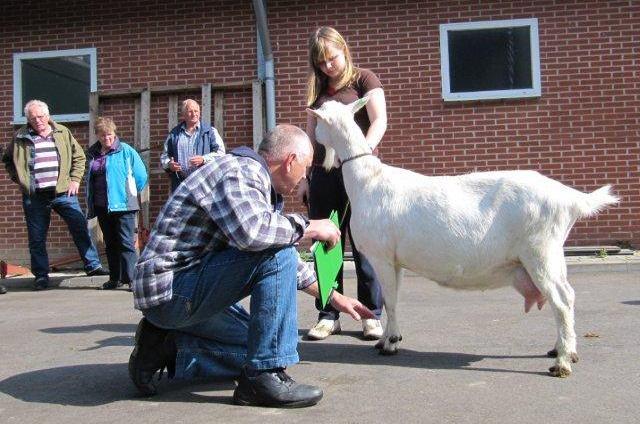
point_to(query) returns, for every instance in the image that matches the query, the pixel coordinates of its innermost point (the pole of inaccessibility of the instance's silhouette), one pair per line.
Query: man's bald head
(288, 152)
(283, 140)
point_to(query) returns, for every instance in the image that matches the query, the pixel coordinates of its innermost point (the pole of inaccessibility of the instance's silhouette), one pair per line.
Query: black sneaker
(154, 351)
(274, 388)
(98, 271)
(41, 283)
(110, 285)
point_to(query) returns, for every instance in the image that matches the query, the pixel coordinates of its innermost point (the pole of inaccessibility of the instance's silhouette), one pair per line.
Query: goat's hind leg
(569, 294)
(548, 272)
(390, 277)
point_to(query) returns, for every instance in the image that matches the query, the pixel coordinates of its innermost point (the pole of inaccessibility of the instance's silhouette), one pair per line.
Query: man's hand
(324, 230)
(174, 166)
(350, 306)
(343, 303)
(196, 161)
(73, 188)
(302, 195)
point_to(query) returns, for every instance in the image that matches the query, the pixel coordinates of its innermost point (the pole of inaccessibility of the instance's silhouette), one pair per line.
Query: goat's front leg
(390, 277)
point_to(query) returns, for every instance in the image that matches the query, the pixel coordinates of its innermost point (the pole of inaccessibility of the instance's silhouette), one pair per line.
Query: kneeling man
(222, 237)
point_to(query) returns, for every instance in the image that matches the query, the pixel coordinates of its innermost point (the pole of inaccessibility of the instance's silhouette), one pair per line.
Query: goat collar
(355, 157)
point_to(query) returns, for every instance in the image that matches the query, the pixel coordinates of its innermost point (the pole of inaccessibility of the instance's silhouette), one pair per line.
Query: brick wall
(583, 131)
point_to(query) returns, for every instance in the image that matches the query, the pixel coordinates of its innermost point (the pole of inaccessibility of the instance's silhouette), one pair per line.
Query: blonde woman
(333, 76)
(116, 174)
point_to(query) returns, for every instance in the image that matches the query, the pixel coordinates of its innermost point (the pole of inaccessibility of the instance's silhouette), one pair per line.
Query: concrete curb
(67, 279)
(575, 264)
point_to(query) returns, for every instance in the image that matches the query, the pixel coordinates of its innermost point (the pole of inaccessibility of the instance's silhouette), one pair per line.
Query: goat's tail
(594, 202)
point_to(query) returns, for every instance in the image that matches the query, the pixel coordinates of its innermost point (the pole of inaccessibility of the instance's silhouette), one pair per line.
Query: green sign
(328, 264)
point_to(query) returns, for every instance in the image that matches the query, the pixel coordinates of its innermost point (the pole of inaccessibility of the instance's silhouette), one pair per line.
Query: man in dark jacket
(190, 144)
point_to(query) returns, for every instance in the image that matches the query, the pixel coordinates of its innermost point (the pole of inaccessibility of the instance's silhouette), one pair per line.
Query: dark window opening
(63, 83)
(490, 59)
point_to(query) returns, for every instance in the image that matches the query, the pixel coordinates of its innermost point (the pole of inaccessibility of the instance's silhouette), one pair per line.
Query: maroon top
(365, 82)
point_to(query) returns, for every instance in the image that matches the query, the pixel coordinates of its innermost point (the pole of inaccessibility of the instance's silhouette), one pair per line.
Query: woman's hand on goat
(350, 306)
(324, 230)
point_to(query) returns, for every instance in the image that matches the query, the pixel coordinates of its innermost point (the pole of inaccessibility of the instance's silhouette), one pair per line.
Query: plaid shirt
(224, 203)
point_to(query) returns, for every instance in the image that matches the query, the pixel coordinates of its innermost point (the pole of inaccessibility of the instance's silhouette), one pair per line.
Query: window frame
(534, 91)
(18, 108)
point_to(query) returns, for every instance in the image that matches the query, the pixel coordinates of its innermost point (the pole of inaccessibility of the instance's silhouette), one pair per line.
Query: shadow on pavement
(112, 328)
(111, 341)
(99, 384)
(127, 340)
(368, 355)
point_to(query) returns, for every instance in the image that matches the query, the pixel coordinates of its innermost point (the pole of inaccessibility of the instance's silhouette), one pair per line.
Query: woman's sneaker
(372, 329)
(323, 329)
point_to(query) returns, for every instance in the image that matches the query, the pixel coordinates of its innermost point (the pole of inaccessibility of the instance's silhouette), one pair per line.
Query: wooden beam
(145, 143)
(218, 112)
(205, 107)
(136, 138)
(94, 102)
(172, 117)
(136, 125)
(174, 89)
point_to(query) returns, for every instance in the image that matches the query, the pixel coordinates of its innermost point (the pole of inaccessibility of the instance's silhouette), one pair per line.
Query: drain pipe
(269, 78)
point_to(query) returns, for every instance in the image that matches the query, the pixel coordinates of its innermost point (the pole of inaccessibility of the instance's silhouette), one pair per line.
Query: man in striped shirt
(47, 163)
(222, 237)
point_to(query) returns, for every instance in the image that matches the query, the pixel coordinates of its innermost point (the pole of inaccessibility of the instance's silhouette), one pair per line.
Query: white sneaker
(372, 329)
(323, 329)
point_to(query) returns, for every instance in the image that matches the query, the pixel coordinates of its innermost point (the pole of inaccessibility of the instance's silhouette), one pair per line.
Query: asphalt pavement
(466, 357)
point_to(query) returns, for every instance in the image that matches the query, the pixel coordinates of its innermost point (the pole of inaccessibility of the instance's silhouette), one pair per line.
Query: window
(62, 79)
(490, 60)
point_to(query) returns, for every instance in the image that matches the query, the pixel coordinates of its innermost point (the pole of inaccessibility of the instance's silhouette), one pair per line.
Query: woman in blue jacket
(116, 174)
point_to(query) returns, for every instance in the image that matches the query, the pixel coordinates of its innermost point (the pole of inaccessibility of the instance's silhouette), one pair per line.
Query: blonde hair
(317, 80)
(105, 126)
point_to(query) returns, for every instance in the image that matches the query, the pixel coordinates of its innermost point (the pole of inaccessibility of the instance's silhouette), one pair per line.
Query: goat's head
(337, 131)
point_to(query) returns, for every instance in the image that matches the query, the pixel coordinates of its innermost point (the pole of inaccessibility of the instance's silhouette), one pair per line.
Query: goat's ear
(358, 104)
(315, 113)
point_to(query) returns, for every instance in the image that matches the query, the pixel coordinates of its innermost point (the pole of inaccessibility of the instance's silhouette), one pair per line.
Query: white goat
(476, 231)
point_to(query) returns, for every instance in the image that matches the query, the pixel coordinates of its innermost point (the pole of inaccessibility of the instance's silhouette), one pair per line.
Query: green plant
(305, 255)
(602, 253)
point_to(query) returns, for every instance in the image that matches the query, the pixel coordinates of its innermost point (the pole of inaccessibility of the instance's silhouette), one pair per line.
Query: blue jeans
(37, 211)
(119, 229)
(215, 337)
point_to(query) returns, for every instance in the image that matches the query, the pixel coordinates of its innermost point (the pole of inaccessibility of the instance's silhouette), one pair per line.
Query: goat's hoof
(554, 354)
(389, 352)
(558, 371)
